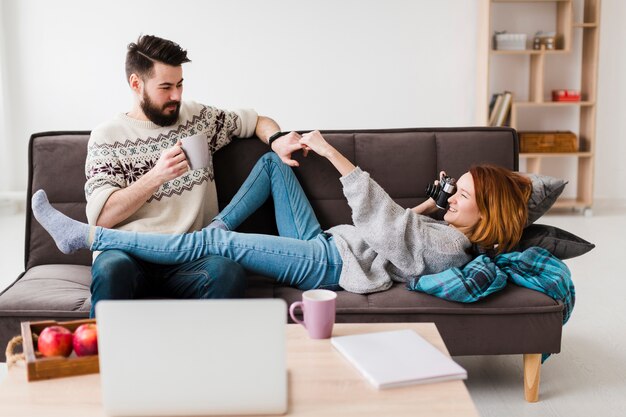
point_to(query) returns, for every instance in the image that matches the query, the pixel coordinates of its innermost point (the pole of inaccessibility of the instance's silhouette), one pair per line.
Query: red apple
(55, 341)
(86, 339)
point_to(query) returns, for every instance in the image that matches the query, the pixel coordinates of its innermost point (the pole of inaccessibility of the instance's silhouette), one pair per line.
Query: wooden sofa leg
(532, 373)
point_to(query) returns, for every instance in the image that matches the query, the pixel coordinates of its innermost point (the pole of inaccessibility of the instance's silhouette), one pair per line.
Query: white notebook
(397, 358)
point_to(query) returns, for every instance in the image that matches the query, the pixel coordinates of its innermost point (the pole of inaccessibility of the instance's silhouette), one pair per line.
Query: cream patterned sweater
(123, 149)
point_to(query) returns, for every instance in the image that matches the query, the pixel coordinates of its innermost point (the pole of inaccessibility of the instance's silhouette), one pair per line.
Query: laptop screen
(192, 357)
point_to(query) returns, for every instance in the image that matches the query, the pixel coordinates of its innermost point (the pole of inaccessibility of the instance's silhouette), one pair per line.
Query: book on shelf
(507, 98)
(397, 358)
(493, 111)
(492, 102)
(501, 109)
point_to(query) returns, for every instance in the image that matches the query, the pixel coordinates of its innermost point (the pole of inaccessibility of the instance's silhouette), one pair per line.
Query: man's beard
(156, 115)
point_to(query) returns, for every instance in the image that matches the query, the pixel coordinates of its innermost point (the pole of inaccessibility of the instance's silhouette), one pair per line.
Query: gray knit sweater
(389, 243)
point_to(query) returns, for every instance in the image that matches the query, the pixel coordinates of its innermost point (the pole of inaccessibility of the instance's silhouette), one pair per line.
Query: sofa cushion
(560, 243)
(49, 290)
(57, 165)
(545, 191)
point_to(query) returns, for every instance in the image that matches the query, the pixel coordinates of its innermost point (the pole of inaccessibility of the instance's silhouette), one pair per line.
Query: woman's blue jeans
(303, 256)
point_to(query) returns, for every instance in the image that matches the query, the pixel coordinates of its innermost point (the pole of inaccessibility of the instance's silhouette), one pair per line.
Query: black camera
(442, 192)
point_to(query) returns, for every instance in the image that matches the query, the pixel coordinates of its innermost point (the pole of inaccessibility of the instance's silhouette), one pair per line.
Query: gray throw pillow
(545, 192)
(558, 242)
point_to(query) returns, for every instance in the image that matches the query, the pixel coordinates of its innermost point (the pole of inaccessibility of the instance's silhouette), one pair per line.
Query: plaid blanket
(534, 268)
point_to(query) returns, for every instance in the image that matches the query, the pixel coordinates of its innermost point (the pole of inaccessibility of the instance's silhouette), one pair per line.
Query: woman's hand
(316, 142)
(429, 206)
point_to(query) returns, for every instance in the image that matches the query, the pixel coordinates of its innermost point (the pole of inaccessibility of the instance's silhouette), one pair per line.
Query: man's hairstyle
(502, 198)
(149, 49)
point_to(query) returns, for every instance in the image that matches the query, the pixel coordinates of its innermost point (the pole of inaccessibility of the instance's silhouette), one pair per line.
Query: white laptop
(192, 357)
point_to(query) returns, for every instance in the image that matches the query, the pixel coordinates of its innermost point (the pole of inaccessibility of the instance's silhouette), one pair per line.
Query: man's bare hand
(171, 164)
(284, 146)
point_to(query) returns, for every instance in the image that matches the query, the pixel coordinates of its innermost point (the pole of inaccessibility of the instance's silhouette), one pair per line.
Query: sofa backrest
(402, 161)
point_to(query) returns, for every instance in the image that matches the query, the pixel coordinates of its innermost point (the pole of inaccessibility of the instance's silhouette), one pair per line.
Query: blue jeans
(117, 275)
(303, 256)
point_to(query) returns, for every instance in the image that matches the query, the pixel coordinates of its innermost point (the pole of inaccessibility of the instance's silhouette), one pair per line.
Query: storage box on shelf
(510, 41)
(548, 142)
(540, 97)
(565, 95)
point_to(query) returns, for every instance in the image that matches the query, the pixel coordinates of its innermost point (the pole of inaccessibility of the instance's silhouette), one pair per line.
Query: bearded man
(138, 178)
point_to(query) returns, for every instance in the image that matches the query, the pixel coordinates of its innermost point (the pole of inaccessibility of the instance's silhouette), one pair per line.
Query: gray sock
(69, 234)
(217, 224)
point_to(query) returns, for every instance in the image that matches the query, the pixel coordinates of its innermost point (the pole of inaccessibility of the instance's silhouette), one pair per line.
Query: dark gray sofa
(513, 321)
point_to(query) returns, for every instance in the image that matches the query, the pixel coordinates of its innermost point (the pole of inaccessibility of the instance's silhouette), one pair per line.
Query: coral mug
(318, 312)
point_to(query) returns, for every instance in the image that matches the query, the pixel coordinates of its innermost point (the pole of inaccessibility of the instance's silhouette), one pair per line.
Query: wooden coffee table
(321, 383)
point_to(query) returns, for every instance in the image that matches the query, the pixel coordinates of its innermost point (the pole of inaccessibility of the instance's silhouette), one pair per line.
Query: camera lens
(432, 191)
(442, 192)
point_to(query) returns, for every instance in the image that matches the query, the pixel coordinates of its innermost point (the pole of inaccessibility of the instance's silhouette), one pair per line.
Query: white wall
(5, 148)
(308, 64)
(611, 116)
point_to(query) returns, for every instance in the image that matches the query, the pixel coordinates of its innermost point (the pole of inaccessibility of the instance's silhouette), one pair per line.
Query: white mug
(196, 150)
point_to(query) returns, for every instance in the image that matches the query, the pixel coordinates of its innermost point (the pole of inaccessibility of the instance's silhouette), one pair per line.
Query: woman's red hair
(502, 198)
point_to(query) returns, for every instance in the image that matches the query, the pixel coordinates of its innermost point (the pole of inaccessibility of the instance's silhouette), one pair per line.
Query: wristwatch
(274, 137)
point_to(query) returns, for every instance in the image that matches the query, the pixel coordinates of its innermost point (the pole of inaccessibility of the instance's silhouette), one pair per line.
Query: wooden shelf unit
(538, 96)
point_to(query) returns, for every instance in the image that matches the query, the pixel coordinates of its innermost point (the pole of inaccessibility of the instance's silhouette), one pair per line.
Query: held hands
(171, 164)
(291, 142)
(286, 145)
(316, 142)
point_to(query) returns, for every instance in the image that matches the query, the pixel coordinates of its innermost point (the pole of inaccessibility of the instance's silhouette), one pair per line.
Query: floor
(588, 378)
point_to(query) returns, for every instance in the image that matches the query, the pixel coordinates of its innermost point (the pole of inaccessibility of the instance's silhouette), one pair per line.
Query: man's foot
(69, 234)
